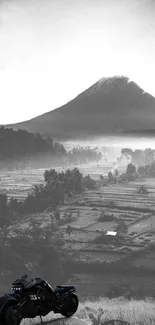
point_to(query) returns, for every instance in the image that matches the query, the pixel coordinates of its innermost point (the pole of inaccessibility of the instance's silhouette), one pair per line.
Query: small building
(111, 233)
(111, 237)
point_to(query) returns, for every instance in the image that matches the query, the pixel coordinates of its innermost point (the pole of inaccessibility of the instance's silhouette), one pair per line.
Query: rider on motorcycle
(37, 286)
(27, 281)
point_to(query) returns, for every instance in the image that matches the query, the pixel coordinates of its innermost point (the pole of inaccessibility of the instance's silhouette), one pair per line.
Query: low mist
(115, 142)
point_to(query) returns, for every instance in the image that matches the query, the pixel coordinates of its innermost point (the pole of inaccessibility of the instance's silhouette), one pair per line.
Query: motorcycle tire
(10, 317)
(71, 306)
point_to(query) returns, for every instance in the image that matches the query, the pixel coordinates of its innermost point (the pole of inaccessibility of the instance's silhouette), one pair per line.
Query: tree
(36, 246)
(138, 157)
(110, 177)
(116, 173)
(123, 178)
(121, 226)
(50, 175)
(3, 210)
(149, 156)
(13, 205)
(131, 169)
(142, 190)
(141, 171)
(88, 182)
(151, 170)
(3, 204)
(84, 155)
(126, 151)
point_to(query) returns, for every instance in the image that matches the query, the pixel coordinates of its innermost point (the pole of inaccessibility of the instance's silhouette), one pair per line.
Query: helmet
(28, 281)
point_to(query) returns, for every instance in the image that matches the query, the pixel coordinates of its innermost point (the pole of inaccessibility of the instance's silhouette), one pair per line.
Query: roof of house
(111, 233)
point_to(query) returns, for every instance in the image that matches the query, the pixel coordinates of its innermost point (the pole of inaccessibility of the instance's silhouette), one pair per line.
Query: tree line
(139, 157)
(57, 188)
(84, 155)
(21, 143)
(132, 172)
(20, 149)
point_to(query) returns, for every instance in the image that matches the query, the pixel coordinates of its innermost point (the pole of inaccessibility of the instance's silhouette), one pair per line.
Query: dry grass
(134, 312)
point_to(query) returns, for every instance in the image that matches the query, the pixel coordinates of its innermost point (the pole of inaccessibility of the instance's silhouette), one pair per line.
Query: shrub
(105, 216)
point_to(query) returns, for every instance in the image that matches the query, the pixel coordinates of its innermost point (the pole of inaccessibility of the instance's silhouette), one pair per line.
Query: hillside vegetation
(21, 149)
(16, 146)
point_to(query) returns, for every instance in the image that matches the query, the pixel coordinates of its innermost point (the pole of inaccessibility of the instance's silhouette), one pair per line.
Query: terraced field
(19, 183)
(124, 203)
(120, 200)
(124, 195)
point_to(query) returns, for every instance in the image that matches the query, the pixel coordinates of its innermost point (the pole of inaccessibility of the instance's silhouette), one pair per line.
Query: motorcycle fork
(59, 303)
(22, 302)
(65, 295)
(20, 305)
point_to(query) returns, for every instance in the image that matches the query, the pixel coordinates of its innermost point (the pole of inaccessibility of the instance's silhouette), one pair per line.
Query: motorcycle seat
(65, 286)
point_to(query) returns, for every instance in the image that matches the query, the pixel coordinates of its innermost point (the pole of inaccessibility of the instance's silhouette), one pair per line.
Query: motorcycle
(33, 297)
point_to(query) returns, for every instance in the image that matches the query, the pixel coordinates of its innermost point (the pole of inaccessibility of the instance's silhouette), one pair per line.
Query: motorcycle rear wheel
(71, 306)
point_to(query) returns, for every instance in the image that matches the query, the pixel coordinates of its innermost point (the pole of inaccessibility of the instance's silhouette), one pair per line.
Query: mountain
(110, 106)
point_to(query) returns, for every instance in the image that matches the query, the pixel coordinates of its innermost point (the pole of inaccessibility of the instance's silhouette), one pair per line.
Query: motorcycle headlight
(16, 288)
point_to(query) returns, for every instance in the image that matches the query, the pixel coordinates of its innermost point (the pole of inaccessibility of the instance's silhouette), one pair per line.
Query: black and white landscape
(77, 152)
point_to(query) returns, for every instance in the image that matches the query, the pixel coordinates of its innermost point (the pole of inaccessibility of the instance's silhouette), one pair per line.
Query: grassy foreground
(133, 311)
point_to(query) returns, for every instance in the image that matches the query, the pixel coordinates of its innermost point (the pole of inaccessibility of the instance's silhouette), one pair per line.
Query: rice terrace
(113, 223)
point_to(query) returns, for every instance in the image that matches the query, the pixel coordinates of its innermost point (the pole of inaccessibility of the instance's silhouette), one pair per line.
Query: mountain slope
(110, 106)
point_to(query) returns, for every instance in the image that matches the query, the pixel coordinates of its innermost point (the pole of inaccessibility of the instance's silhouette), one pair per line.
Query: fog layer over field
(115, 142)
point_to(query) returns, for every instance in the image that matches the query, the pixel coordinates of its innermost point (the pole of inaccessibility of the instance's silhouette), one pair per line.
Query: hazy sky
(51, 50)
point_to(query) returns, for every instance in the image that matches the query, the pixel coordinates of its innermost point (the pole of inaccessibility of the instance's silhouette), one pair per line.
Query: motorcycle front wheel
(10, 316)
(71, 306)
